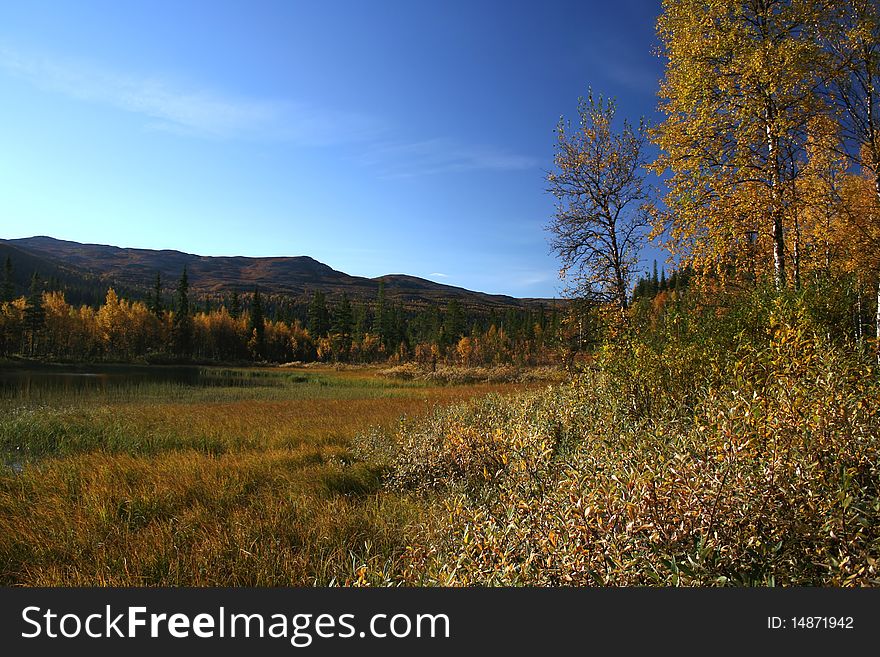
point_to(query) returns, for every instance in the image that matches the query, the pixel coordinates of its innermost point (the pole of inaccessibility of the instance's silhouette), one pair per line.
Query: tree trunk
(776, 205)
(877, 319)
(620, 281)
(796, 254)
(859, 313)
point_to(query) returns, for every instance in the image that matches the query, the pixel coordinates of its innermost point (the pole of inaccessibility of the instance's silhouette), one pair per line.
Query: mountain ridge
(134, 269)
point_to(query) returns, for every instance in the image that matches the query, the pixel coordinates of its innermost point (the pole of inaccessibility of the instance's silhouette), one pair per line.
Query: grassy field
(249, 482)
(743, 458)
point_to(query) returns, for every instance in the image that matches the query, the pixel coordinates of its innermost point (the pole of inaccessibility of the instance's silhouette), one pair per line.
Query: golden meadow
(161, 483)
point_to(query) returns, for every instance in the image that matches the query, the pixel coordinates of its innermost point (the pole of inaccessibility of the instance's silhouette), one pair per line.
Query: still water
(37, 383)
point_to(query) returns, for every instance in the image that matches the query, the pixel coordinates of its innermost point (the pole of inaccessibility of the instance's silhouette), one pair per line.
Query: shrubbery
(741, 450)
(473, 374)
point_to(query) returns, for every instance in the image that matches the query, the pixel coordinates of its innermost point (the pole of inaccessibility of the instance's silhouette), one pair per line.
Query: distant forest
(43, 323)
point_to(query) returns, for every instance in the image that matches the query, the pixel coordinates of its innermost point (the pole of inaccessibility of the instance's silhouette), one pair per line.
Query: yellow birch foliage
(738, 90)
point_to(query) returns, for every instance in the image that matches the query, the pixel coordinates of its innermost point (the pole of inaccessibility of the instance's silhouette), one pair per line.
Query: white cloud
(441, 155)
(171, 106)
(535, 279)
(439, 275)
(175, 108)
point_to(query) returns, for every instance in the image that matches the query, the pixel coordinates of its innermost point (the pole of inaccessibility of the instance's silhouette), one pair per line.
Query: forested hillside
(272, 328)
(83, 302)
(215, 278)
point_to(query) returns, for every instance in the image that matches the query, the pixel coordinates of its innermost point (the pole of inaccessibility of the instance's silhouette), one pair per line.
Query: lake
(75, 381)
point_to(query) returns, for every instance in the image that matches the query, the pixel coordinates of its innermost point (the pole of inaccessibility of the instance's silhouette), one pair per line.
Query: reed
(167, 484)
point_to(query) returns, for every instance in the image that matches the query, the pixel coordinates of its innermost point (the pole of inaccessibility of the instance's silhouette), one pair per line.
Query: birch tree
(601, 215)
(854, 42)
(738, 93)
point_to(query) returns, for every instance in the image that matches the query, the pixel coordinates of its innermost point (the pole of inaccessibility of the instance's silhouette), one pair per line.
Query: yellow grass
(169, 492)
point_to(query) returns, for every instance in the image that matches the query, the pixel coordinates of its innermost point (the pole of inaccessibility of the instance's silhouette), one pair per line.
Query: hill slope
(135, 269)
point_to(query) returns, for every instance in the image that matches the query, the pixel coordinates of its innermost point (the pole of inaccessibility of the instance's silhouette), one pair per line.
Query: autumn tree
(854, 42)
(60, 324)
(126, 329)
(601, 213)
(741, 85)
(12, 326)
(822, 197)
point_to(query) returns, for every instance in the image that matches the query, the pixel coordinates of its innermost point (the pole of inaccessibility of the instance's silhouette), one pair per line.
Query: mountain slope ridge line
(136, 269)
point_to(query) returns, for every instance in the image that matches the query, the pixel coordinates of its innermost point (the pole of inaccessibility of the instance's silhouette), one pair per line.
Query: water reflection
(27, 384)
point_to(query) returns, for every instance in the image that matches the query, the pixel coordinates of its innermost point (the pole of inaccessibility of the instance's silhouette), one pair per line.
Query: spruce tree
(453, 322)
(399, 323)
(235, 305)
(319, 317)
(379, 319)
(343, 323)
(34, 313)
(258, 323)
(156, 306)
(8, 282)
(182, 328)
(360, 322)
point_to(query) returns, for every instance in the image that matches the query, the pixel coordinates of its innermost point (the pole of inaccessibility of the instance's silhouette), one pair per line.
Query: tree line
(243, 327)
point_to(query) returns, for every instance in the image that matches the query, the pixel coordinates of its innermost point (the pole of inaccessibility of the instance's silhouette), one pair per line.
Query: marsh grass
(169, 484)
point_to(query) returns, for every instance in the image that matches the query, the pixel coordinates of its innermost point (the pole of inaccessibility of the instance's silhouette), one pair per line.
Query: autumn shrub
(447, 374)
(753, 465)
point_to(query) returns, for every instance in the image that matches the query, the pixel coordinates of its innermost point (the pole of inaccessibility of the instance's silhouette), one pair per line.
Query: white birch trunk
(877, 320)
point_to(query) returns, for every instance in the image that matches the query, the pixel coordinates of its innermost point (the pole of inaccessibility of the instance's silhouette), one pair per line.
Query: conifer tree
(319, 316)
(258, 323)
(34, 314)
(453, 322)
(182, 328)
(343, 326)
(360, 322)
(235, 306)
(156, 305)
(381, 320)
(8, 281)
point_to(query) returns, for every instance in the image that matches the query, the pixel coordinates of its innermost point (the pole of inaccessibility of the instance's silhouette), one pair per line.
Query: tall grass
(164, 484)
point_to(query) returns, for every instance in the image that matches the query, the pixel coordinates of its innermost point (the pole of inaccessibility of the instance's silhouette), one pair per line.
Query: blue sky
(378, 137)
